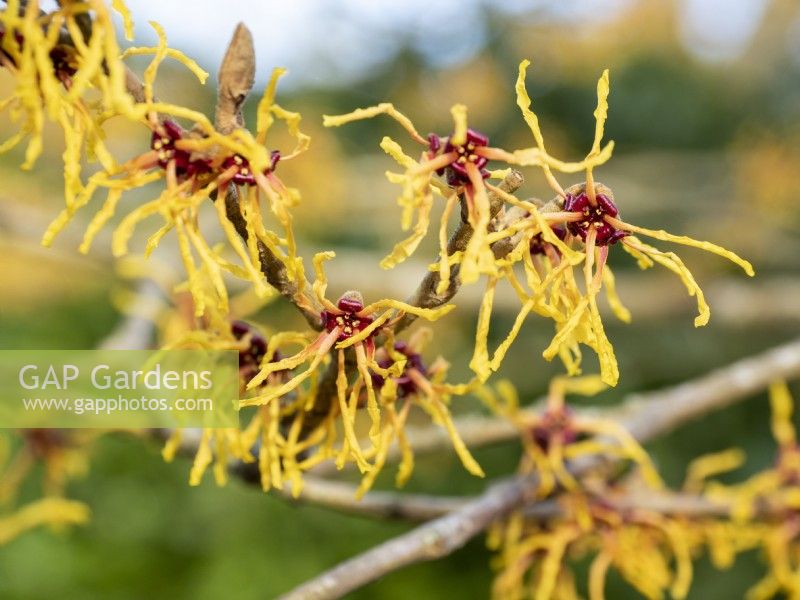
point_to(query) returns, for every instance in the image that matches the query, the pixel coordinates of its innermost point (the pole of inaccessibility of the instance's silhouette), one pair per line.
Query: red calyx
(405, 384)
(163, 142)
(456, 171)
(244, 174)
(250, 357)
(593, 217)
(551, 424)
(62, 66)
(347, 319)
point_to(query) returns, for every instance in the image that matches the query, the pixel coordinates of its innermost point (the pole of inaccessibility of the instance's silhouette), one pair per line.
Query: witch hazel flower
(557, 435)
(651, 551)
(401, 379)
(779, 485)
(53, 68)
(546, 286)
(461, 159)
(598, 226)
(774, 490)
(347, 324)
(577, 229)
(195, 164)
(277, 433)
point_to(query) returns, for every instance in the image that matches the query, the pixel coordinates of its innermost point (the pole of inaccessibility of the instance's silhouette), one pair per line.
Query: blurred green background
(705, 112)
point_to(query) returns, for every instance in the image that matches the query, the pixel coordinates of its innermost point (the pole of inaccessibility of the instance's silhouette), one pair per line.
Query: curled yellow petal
(587, 385)
(127, 20)
(687, 241)
(429, 314)
(524, 103)
(202, 459)
(600, 113)
(172, 445)
(502, 349)
(47, 511)
(393, 149)
(709, 465)
(292, 120)
(609, 369)
(442, 414)
(566, 329)
(444, 258)
(196, 70)
(384, 108)
(264, 117)
(100, 219)
(160, 53)
(782, 407)
(673, 262)
(628, 444)
(459, 137)
(480, 363)
(406, 247)
(610, 286)
(320, 284)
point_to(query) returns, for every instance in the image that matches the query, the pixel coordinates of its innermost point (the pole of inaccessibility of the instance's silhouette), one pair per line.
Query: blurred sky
(325, 42)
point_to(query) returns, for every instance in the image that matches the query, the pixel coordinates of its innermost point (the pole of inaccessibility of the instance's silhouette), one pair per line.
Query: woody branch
(645, 416)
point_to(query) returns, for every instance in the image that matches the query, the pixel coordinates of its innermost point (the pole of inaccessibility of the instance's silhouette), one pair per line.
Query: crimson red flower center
(405, 383)
(244, 174)
(346, 319)
(457, 170)
(593, 216)
(554, 423)
(163, 142)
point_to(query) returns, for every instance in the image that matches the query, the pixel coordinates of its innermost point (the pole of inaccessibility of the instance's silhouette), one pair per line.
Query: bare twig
(685, 504)
(340, 496)
(665, 503)
(274, 269)
(649, 415)
(430, 541)
(383, 505)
